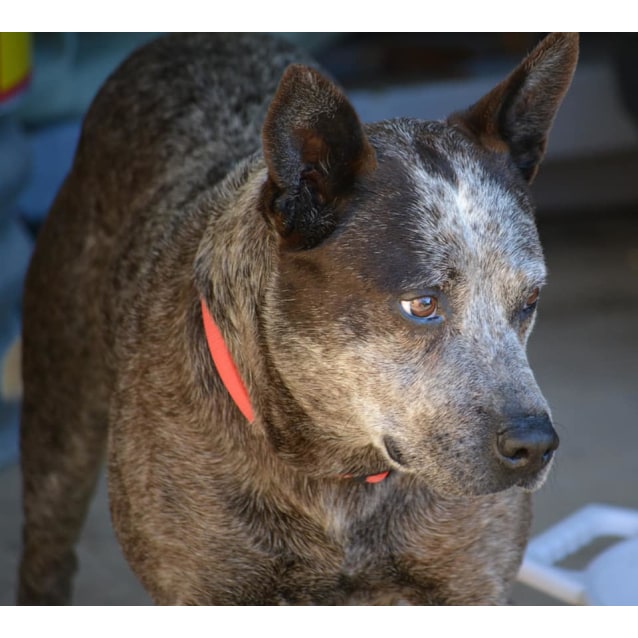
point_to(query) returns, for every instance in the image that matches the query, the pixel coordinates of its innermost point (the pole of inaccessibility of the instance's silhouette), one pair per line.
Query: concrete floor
(585, 354)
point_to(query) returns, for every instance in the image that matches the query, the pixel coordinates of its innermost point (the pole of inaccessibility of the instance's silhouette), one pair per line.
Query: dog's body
(375, 287)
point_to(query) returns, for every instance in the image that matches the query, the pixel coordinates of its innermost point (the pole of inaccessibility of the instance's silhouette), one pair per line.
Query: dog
(299, 340)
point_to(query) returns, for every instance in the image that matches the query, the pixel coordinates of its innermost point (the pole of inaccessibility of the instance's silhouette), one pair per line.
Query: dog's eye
(423, 308)
(532, 300)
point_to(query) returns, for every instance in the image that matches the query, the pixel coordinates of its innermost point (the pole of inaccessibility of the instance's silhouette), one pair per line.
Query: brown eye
(531, 301)
(420, 308)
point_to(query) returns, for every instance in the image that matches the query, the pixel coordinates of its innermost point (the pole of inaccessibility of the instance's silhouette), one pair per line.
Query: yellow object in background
(15, 63)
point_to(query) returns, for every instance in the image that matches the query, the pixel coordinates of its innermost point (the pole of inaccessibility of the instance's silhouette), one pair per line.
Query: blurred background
(585, 346)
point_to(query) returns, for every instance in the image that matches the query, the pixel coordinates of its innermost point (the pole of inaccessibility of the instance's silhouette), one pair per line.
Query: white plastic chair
(611, 578)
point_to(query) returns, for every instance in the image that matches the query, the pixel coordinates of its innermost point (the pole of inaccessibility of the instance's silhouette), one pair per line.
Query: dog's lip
(393, 451)
(529, 485)
(535, 480)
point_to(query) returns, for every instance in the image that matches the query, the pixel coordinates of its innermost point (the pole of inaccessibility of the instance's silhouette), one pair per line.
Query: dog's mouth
(495, 474)
(536, 480)
(393, 451)
(377, 476)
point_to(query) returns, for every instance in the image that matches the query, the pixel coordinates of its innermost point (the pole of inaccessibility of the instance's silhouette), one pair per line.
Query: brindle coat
(307, 251)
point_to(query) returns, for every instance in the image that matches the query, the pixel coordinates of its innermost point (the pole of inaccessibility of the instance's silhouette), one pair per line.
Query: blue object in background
(52, 148)
(15, 249)
(38, 136)
(50, 151)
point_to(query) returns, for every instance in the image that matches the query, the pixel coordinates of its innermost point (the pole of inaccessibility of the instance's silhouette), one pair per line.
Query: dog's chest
(355, 571)
(355, 557)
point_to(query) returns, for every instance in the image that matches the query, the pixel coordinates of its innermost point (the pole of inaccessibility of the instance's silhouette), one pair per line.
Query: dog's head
(409, 270)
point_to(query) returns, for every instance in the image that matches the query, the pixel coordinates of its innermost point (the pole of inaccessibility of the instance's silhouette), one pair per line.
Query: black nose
(527, 443)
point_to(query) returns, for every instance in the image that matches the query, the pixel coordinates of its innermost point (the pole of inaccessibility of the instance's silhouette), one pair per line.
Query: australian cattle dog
(298, 340)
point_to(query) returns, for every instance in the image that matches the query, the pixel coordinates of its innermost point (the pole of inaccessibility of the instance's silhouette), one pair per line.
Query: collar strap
(371, 478)
(225, 365)
(233, 383)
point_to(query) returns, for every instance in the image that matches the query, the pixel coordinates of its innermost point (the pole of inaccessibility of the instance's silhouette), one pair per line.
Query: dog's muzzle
(527, 444)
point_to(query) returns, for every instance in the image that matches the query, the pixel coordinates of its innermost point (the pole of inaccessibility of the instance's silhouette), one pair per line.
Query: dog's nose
(528, 443)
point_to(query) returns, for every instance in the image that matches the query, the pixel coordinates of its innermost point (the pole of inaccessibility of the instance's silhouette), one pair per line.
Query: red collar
(231, 379)
(225, 365)
(370, 478)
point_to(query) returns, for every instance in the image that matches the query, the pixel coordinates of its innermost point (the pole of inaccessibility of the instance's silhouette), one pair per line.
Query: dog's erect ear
(517, 114)
(314, 147)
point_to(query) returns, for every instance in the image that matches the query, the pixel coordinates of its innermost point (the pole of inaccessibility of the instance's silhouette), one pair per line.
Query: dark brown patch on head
(435, 162)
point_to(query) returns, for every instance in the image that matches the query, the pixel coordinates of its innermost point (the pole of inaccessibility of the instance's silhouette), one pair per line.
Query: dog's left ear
(516, 115)
(314, 147)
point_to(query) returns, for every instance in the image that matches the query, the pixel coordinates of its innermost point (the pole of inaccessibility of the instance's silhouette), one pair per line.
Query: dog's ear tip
(568, 38)
(563, 45)
(297, 72)
(518, 113)
(565, 37)
(300, 77)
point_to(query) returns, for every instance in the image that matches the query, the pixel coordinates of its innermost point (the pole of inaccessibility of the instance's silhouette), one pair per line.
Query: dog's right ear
(314, 147)
(516, 115)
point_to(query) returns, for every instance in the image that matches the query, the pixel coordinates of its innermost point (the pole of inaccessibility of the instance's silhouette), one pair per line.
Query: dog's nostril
(519, 455)
(528, 443)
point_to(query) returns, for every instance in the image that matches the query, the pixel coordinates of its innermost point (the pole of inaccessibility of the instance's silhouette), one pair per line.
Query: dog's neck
(236, 388)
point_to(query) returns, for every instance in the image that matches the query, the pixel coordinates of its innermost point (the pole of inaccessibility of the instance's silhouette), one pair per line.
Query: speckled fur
(302, 248)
